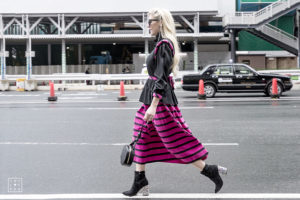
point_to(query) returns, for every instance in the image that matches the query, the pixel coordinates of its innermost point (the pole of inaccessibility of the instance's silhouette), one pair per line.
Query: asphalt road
(73, 145)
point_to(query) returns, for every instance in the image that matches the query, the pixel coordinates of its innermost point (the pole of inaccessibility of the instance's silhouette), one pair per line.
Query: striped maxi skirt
(166, 139)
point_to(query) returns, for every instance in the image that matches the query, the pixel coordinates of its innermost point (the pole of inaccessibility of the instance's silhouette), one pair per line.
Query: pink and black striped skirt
(166, 139)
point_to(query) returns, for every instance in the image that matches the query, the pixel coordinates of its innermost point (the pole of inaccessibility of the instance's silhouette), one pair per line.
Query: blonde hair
(168, 31)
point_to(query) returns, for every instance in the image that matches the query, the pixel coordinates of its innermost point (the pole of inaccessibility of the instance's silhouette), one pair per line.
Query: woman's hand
(149, 115)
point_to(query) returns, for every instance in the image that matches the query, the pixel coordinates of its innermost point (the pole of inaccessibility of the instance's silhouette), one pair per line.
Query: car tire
(210, 90)
(266, 93)
(279, 87)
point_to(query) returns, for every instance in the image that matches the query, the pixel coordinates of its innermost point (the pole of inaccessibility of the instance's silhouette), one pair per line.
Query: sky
(94, 6)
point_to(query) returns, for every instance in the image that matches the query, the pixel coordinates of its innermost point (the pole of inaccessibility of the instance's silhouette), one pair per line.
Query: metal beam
(71, 23)
(63, 56)
(23, 22)
(146, 48)
(187, 22)
(63, 25)
(137, 22)
(28, 59)
(20, 24)
(8, 24)
(1, 26)
(3, 59)
(55, 24)
(196, 23)
(35, 24)
(195, 55)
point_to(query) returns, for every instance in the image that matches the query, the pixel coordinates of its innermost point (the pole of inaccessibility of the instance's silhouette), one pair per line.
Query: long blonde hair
(168, 31)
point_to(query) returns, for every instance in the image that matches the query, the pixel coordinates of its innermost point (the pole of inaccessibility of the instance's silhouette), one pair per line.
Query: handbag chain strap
(139, 135)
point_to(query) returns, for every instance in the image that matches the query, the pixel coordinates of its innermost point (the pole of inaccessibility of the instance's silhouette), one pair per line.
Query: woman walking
(166, 137)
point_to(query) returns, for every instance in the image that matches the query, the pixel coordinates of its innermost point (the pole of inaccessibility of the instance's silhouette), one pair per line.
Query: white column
(63, 56)
(28, 58)
(3, 60)
(195, 55)
(146, 48)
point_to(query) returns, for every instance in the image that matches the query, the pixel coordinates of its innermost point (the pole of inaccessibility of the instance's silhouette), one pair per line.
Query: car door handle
(214, 76)
(239, 76)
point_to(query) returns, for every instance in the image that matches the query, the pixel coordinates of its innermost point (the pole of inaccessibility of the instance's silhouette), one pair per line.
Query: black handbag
(127, 153)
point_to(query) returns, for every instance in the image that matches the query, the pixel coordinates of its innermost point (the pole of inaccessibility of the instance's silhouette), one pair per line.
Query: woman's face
(153, 25)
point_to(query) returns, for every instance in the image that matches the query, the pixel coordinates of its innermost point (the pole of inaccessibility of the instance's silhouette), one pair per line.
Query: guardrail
(119, 77)
(110, 77)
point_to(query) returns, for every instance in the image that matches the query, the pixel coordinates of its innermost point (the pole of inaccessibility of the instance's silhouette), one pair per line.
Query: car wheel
(267, 93)
(210, 90)
(279, 88)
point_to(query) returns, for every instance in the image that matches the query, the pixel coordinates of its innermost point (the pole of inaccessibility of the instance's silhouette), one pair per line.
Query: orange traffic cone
(274, 94)
(52, 96)
(122, 96)
(201, 93)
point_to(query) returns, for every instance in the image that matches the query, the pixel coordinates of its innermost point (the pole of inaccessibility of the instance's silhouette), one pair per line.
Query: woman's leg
(199, 164)
(139, 167)
(212, 172)
(140, 183)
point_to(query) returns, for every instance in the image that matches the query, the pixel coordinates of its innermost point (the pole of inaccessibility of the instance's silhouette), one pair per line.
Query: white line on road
(81, 98)
(86, 94)
(97, 144)
(20, 95)
(182, 108)
(157, 196)
(136, 101)
(119, 92)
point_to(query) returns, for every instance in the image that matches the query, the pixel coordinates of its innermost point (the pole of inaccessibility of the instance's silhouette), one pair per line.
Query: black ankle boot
(212, 172)
(140, 185)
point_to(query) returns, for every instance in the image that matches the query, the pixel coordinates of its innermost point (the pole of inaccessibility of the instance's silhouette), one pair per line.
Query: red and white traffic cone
(201, 93)
(122, 96)
(52, 96)
(274, 94)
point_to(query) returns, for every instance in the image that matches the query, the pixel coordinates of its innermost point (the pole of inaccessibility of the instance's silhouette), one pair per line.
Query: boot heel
(222, 170)
(144, 191)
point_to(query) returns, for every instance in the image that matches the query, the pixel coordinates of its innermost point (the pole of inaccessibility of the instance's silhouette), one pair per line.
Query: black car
(234, 78)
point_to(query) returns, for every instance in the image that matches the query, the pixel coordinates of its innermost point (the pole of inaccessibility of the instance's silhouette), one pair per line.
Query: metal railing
(248, 18)
(279, 35)
(52, 69)
(112, 77)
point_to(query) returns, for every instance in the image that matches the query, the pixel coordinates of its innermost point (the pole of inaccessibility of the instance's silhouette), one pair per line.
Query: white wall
(82, 6)
(226, 7)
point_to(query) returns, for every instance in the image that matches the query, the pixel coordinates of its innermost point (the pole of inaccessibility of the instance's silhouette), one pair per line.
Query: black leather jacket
(159, 63)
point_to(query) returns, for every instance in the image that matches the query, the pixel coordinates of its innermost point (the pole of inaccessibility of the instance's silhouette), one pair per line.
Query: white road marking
(85, 94)
(181, 108)
(97, 144)
(20, 95)
(119, 92)
(242, 99)
(156, 196)
(136, 101)
(69, 98)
